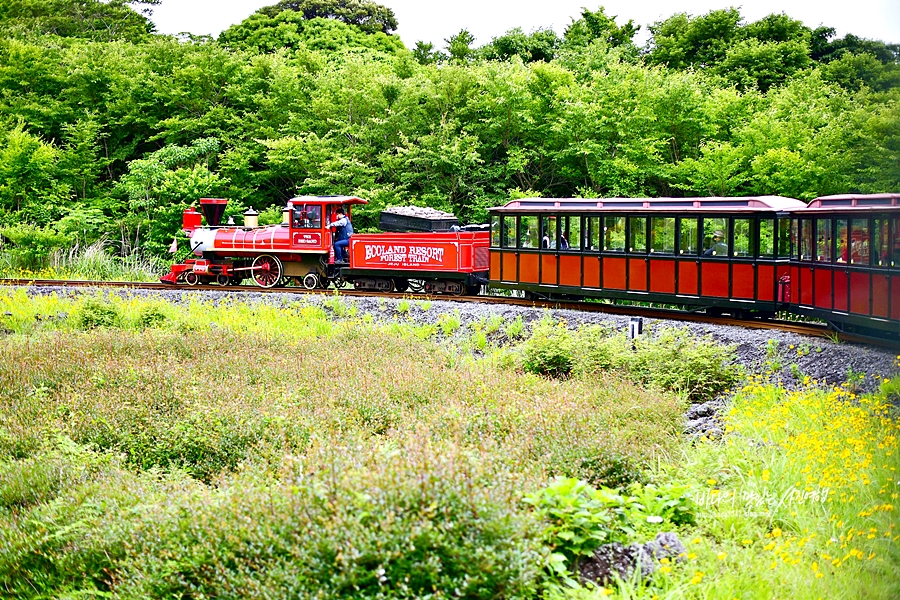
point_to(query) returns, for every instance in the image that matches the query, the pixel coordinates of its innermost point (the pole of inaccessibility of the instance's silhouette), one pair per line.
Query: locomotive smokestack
(213, 209)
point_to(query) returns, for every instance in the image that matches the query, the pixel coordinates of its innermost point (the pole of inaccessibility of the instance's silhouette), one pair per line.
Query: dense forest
(109, 130)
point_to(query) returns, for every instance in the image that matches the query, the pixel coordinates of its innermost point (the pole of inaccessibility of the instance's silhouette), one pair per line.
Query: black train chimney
(213, 209)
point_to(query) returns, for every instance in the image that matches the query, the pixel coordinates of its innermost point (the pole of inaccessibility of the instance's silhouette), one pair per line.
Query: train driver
(342, 232)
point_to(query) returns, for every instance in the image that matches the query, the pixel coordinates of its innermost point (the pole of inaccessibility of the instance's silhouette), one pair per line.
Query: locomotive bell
(251, 218)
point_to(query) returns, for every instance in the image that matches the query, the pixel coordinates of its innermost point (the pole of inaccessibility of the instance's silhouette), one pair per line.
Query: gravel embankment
(818, 358)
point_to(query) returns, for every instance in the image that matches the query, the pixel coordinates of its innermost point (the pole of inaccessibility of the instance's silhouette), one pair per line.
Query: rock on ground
(611, 560)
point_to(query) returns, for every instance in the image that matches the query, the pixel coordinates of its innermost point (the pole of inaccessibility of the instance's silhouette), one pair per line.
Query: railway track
(810, 329)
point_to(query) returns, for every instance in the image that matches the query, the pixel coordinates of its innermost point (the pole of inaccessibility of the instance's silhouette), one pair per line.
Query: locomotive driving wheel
(267, 271)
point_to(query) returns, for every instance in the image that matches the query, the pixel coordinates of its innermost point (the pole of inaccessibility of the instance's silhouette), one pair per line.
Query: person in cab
(343, 229)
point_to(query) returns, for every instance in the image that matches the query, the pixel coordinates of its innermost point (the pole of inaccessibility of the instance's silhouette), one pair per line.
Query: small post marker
(635, 328)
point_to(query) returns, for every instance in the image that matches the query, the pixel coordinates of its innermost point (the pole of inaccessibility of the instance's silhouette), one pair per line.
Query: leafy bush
(675, 360)
(549, 350)
(672, 359)
(577, 522)
(203, 444)
(598, 349)
(95, 312)
(32, 245)
(579, 518)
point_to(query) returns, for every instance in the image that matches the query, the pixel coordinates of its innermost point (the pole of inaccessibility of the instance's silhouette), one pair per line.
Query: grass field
(196, 451)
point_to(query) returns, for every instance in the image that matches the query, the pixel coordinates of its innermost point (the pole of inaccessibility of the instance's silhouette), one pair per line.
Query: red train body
(301, 248)
(837, 259)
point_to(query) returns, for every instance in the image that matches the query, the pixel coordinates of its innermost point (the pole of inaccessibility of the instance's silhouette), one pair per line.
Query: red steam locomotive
(837, 259)
(301, 248)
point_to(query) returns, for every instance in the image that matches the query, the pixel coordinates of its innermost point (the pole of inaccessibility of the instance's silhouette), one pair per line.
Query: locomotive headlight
(202, 240)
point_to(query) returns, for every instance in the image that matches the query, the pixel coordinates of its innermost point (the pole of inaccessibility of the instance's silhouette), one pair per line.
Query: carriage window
(571, 233)
(509, 232)
(687, 242)
(528, 231)
(843, 248)
(806, 240)
(859, 242)
(614, 234)
(766, 238)
(895, 251)
(592, 236)
(880, 251)
(548, 231)
(824, 243)
(743, 245)
(795, 239)
(637, 242)
(784, 238)
(715, 237)
(662, 235)
(495, 231)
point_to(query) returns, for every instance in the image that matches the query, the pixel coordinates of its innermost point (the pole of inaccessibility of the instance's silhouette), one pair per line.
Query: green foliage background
(109, 130)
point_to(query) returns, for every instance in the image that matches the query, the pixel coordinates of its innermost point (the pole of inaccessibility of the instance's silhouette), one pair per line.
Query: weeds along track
(810, 329)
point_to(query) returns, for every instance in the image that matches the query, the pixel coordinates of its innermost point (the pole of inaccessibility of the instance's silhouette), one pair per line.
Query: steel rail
(809, 329)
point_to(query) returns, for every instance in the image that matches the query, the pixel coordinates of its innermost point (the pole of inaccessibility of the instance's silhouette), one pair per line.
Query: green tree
(425, 54)
(367, 15)
(160, 186)
(539, 45)
(459, 46)
(288, 29)
(681, 41)
(29, 176)
(751, 63)
(91, 19)
(596, 25)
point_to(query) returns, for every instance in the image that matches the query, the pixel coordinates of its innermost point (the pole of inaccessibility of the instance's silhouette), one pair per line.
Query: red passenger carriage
(845, 265)
(653, 250)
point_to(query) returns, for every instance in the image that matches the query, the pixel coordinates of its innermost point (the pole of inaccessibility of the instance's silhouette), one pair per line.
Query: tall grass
(150, 449)
(94, 262)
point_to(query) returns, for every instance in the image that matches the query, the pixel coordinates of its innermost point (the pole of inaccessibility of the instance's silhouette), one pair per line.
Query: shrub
(96, 311)
(32, 245)
(576, 521)
(674, 360)
(413, 522)
(151, 315)
(596, 349)
(549, 350)
(579, 518)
